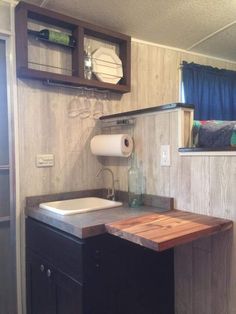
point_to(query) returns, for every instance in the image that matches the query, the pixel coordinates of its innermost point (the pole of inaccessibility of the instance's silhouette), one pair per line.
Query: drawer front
(62, 250)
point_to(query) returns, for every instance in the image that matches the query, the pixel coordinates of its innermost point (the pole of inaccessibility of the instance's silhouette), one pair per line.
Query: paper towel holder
(118, 123)
(113, 145)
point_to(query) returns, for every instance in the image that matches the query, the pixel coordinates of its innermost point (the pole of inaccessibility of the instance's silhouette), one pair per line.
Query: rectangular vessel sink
(79, 205)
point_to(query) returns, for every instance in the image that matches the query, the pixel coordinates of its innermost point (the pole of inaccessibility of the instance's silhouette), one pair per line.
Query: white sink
(79, 205)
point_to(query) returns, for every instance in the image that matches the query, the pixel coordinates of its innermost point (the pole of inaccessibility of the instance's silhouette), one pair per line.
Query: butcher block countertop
(156, 225)
(161, 231)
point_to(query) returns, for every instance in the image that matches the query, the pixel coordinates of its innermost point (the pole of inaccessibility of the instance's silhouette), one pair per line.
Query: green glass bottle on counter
(55, 37)
(135, 183)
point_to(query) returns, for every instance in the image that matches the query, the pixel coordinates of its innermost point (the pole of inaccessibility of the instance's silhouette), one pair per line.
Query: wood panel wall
(204, 270)
(49, 122)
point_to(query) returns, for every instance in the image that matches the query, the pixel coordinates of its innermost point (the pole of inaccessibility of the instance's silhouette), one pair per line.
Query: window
(211, 90)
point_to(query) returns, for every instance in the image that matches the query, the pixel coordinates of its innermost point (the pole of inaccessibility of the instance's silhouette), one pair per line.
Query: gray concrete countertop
(88, 224)
(93, 223)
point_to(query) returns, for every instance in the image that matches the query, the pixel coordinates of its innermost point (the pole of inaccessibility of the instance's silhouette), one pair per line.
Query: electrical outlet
(46, 160)
(165, 155)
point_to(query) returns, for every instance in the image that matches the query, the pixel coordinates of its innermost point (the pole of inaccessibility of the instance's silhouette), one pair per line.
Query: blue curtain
(211, 90)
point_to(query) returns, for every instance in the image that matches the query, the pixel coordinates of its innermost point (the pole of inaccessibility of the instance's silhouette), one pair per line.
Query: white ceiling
(204, 26)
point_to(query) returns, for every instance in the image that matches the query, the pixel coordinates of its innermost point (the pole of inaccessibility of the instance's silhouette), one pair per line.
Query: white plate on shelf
(107, 66)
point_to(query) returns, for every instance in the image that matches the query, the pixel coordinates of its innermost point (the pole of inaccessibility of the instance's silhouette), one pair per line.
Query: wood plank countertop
(161, 231)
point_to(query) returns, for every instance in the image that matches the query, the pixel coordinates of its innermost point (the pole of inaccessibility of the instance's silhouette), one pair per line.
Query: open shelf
(204, 151)
(69, 80)
(26, 13)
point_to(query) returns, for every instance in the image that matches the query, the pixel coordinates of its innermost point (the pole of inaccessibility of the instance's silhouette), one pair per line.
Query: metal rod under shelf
(50, 66)
(118, 123)
(55, 84)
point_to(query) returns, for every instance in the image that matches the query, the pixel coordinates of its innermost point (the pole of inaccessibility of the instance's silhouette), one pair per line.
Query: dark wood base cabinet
(98, 275)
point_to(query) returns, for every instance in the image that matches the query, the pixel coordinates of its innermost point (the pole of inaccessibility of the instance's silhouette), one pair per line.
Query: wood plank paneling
(200, 173)
(48, 57)
(222, 186)
(205, 185)
(201, 281)
(184, 279)
(220, 274)
(47, 127)
(43, 116)
(149, 133)
(180, 170)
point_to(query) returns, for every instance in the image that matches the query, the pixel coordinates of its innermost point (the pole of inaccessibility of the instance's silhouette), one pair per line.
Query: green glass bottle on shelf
(135, 183)
(59, 38)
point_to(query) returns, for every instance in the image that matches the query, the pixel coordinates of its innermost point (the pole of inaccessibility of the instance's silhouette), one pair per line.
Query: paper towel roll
(120, 145)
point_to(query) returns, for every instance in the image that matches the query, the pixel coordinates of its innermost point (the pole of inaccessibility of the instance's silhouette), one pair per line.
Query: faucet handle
(110, 194)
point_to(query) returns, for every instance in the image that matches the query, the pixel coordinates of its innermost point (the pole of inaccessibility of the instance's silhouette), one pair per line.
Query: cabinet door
(68, 295)
(41, 298)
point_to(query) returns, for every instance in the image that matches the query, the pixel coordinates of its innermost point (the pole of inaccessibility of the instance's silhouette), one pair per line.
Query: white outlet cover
(165, 155)
(45, 160)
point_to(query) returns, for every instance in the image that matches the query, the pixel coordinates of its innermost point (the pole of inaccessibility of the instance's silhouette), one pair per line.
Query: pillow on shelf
(214, 133)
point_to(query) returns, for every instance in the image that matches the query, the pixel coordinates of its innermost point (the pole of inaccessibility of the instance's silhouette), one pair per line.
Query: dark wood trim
(102, 33)
(79, 30)
(81, 52)
(21, 37)
(47, 16)
(68, 80)
(76, 53)
(206, 149)
(65, 21)
(125, 56)
(148, 110)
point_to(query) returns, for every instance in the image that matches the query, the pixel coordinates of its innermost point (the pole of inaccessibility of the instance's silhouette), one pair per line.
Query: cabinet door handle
(97, 254)
(42, 268)
(49, 273)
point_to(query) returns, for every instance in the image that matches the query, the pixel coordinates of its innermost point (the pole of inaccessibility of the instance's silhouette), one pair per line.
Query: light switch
(46, 160)
(165, 155)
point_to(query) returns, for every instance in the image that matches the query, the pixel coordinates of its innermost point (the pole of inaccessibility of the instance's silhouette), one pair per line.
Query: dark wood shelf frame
(79, 30)
(206, 149)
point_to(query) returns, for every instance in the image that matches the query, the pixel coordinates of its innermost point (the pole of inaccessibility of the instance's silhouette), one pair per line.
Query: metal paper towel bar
(118, 123)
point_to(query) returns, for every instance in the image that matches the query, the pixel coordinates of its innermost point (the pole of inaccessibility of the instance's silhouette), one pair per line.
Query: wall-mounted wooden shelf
(79, 30)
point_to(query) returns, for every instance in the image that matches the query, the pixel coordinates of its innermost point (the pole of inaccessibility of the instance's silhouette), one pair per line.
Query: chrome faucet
(110, 192)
